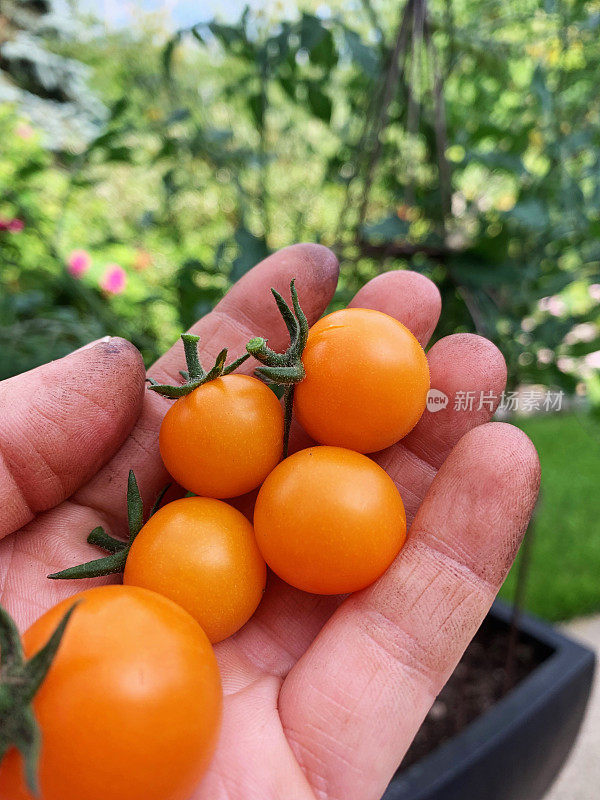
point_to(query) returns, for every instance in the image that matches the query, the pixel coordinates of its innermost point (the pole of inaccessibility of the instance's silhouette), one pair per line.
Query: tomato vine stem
(284, 369)
(20, 680)
(195, 375)
(118, 549)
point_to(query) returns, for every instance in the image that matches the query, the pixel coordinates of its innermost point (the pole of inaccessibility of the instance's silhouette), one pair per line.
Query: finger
(102, 500)
(60, 422)
(409, 297)
(471, 373)
(354, 702)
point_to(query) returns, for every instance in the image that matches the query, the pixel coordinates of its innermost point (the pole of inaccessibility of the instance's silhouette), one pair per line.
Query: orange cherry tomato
(329, 520)
(224, 438)
(366, 381)
(201, 553)
(130, 708)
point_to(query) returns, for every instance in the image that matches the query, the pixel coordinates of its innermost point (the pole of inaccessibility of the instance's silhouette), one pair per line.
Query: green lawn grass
(564, 576)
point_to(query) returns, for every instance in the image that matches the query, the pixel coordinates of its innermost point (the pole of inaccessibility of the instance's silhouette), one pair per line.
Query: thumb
(61, 422)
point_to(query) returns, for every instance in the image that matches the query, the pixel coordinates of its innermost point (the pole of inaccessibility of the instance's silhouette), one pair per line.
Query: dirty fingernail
(93, 344)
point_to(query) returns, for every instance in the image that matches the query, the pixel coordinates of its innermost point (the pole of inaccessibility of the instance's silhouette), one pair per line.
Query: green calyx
(118, 549)
(284, 369)
(195, 375)
(19, 683)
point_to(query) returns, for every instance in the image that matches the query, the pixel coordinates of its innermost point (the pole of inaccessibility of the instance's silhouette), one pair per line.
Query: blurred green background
(145, 166)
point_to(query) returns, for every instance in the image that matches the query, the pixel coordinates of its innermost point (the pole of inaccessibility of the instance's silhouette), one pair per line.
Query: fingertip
(110, 347)
(315, 270)
(118, 351)
(405, 295)
(62, 422)
(499, 464)
(474, 349)
(317, 275)
(469, 372)
(466, 362)
(117, 365)
(323, 263)
(509, 450)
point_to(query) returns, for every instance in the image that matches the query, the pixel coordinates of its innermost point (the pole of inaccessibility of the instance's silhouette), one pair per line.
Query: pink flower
(553, 305)
(594, 291)
(24, 131)
(114, 279)
(593, 359)
(12, 225)
(78, 263)
(565, 363)
(583, 332)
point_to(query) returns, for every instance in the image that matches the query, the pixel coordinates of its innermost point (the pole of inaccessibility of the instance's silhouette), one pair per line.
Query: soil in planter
(477, 683)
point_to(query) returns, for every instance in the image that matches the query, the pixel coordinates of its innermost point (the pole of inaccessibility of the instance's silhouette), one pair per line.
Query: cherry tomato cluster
(327, 519)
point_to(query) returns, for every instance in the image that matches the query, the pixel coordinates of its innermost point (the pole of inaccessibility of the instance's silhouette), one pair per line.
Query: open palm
(323, 695)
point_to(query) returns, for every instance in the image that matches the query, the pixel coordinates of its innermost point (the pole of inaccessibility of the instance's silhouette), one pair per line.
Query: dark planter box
(515, 750)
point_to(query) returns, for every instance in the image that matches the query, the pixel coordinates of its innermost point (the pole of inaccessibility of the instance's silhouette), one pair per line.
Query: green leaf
(312, 32)
(289, 86)
(234, 39)
(476, 274)
(197, 35)
(251, 250)
(168, 149)
(278, 47)
(135, 507)
(119, 108)
(530, 214)
(103, 139)
(167, 53)
(256, 106)
(320, 104)
(540, 88)
(123, 154)
(387, 229)
(107, 565)
(364, 56)
(179, 115)
(324, 53)
(29, 169)
(193, 300)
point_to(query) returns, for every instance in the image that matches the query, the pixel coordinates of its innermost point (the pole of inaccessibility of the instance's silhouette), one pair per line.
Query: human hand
(323, 695)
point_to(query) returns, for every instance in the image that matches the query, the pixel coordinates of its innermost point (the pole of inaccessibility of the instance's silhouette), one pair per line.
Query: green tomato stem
(288, 406)
(284, 369)
(101, 539)
(19, 683)
(118, 549)
(195, 375)
(113, 564)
